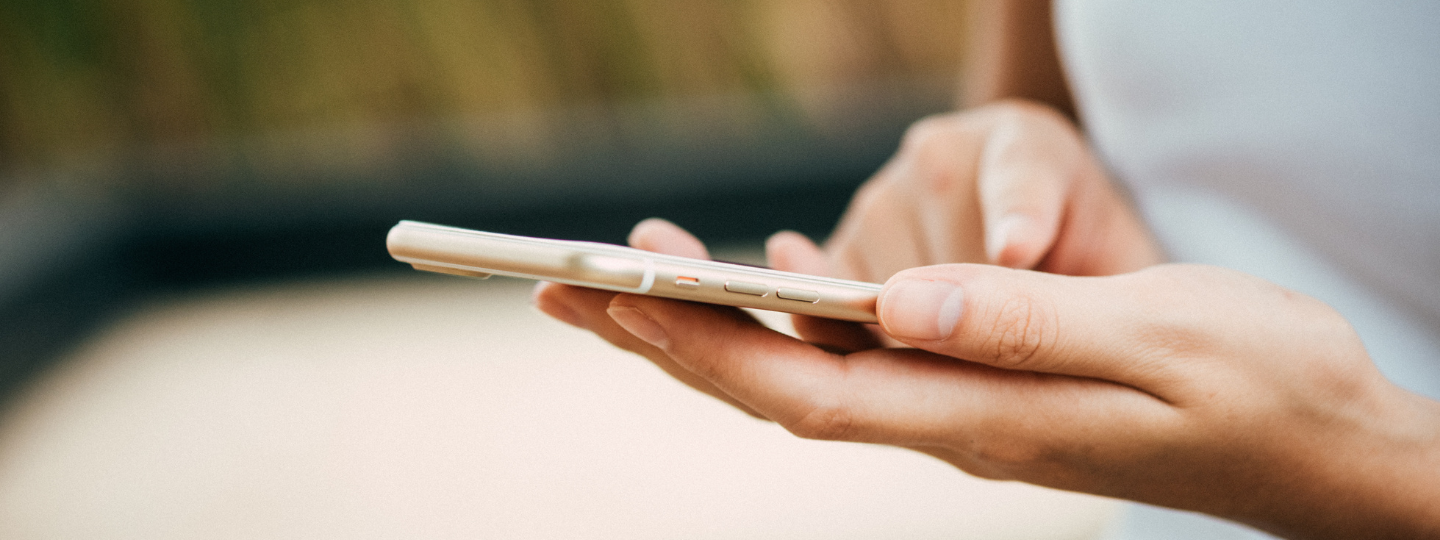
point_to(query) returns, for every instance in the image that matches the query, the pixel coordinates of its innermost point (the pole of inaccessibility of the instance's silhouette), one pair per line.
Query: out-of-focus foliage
(95, 79)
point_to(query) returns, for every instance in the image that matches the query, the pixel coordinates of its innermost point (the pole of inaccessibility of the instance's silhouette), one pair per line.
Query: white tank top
(1319, 118)
(1295, 140)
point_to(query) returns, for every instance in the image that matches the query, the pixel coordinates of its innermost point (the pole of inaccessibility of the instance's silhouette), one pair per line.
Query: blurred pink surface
(437, 407)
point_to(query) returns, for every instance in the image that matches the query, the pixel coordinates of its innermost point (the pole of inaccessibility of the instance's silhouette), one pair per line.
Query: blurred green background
(89, 84)
(162, 145)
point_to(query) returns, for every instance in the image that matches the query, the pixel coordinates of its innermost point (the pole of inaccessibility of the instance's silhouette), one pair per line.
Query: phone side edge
(472, 252)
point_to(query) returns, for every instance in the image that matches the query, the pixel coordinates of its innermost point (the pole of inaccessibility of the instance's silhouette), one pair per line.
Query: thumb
(1015, 319)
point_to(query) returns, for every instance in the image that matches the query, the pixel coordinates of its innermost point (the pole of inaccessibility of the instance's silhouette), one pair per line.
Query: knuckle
(829, 423)
(1024, 111)
(933, 137)
(1020, 331)
(924, 131)
(939, 154)
(1159, 330)
(1326, 319)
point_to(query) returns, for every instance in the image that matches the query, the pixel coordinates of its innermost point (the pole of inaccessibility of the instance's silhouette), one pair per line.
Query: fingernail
(558, 310)
(922, 309)
(640, 325)
(999, 235)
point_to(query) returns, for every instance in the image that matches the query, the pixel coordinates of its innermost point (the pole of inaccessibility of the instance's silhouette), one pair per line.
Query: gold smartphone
(449, 250)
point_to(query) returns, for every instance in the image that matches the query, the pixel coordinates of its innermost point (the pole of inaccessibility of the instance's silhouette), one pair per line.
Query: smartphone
(478, 254)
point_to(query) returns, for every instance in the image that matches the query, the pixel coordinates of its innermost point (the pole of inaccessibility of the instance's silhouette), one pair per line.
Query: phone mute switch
(746, 287)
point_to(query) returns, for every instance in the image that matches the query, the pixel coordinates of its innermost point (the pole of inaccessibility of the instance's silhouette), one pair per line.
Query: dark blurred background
(167, 145)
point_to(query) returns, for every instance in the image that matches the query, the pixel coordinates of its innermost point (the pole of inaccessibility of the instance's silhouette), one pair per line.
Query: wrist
(1380, 479)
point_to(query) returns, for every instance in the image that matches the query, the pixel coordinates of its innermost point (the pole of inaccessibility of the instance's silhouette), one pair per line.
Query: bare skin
(1185, 386)
(1075, 360)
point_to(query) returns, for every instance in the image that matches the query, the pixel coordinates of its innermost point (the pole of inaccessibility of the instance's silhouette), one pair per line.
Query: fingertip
(639, 324)
(788, 238)
(550, 299)
(791, 251)
(662, 236)
(998, 234)
(1014, 242)
(625, 300)
(648, 226)
(539, 291)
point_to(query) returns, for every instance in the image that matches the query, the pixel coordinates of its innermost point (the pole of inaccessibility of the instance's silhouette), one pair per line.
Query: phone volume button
(746, 287)
(798, 295)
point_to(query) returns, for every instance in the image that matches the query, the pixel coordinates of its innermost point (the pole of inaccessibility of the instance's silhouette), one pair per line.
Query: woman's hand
(1185, 386)
(1011, 183)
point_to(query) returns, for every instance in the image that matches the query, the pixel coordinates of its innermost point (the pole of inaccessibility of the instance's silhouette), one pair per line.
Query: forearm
(1013, 54)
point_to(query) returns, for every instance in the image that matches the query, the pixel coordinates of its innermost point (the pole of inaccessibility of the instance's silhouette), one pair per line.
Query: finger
(879, 234)
(1025, 172)
(794, 383)
(1102, 234)
(586, 308)
(1021, 320)
(662, 236)
(939, 158)
(790, 251)
(905, 243)
(904, 397)
(846, 263)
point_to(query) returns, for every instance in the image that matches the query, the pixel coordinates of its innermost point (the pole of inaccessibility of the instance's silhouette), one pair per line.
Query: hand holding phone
(450, 250)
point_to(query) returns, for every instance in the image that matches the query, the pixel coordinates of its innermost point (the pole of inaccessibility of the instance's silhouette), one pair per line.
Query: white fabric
(1324, 115)
(1297, 141)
